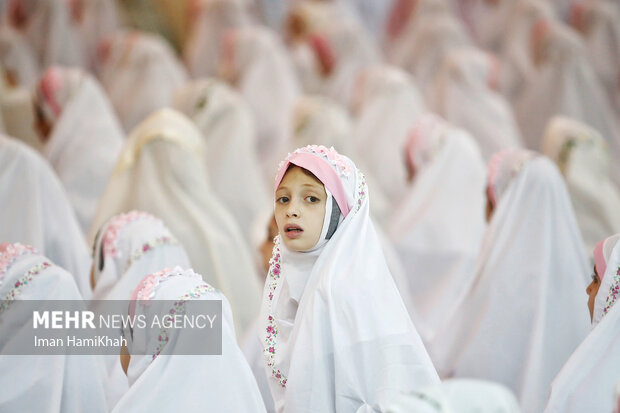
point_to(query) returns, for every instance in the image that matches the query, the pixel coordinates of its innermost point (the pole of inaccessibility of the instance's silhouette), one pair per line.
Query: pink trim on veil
(599, 260)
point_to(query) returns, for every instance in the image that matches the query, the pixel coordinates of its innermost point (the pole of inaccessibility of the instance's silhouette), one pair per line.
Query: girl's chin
(298, 244)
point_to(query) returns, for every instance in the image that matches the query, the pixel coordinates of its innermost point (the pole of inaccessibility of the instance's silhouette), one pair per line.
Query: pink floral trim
(116, 225)
(179, 308)
(149, 246)
(10, 254)
(19, 284)
(614, 292)
(362, 190)
(269, 350)
(330, 155)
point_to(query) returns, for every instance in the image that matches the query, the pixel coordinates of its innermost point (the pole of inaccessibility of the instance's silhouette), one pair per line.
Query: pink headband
(322, 170)
(599, 259)
(49, 86)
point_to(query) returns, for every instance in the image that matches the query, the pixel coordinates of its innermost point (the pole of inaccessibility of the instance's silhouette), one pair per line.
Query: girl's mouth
(293, 231)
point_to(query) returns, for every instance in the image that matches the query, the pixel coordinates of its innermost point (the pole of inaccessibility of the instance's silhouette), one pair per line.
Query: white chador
(587, 380)
(520, 318)
(583, 158)
(162, 378)
(162, 171)
(41, 383)
(437, 228)
(335, 332)
(36, 211)
(86, 138)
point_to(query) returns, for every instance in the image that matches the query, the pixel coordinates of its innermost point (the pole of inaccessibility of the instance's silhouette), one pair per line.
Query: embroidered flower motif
(337, 161)
(151, 283)
(11, 254)
(179, 308)
(23, 281)
(110, 239)
(149, 246)
(272, 329)
(362, 190)
(614, 292)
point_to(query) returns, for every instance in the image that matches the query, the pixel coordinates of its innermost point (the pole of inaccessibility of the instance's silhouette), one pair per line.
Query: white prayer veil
(139, 72)
(41, 383)
(458, 396)
(36, 211)
(587, 380)
(256, 61)
(386, 104)
(487, 21)
(95, 20)
(86, 139)
(229, 134)
(209, 21)
(161, 171)
(520, 319)
(563, 83)
(597, 21)
(582, 156)
(437, 227)
(335, 331)
(464, 91)
(176, 382)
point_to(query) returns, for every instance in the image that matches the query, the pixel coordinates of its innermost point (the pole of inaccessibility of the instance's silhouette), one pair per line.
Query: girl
(161, 378)
(335, 332)
(81, 133)
(41, 383)
(587, 380)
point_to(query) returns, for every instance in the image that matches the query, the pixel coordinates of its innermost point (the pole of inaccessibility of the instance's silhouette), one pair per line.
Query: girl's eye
(282, 200)
(312, 199)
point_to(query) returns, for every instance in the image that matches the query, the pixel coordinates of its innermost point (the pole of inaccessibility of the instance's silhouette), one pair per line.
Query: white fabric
(229, 134)
(463, 91)
(458, 396)
(18, 115)
(564, 83)
(161, 171)
(186, 383)
(520, 317)
(344, 339)
(582, 156)
(53, 34)
(262, 72)
(36, 211)
(586, 382)
(17, 57)
(95, 19)
(609, 290)
(86, 139)
(209, 22)
(140, 72)
(437, 227)
(386, 105)
(43, 383)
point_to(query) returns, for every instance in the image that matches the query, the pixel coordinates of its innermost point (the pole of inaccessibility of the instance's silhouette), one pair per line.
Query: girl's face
(300, 209)
(592, 290)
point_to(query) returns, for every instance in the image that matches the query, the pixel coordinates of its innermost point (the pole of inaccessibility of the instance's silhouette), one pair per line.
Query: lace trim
(110, 239)
(11, 254)
(19, 284)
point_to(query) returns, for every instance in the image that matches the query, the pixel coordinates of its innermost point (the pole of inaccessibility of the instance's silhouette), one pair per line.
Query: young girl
(41, 383)
(161, 378)
(335, 331)
(587, 380)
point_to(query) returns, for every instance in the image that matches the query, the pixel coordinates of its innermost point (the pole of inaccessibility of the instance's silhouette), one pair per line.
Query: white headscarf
(209, 20)
(36, 211)
(161, 171)
(86, 139)
(438, 225)
(257, 62)
(519, 319)
(336, 334)
(140, 72)
(229, 134)
(587, 380)
(185, 383)
(458, 396)
(386, 105)
(41, 383)
(597, 21)
(564, 83)
(583, 159)
(464, 92)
